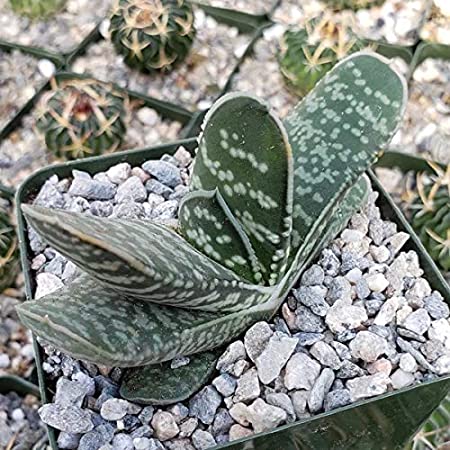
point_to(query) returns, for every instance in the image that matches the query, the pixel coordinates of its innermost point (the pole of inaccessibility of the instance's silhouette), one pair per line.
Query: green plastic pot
(386, 422)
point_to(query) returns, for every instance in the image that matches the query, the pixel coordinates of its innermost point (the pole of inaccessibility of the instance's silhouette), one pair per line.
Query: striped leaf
(244, 152)
(337, 132)
(92, 323)
(144, 260)
(208, 224)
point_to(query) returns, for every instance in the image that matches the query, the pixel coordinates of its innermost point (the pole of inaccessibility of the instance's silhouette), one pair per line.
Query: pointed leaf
(244, 152)
(338, 130)
(93, 323)
(159, 384)
(208, 224)
(143, 260)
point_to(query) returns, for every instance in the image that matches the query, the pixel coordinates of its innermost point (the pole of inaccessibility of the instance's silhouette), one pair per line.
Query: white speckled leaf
(337, 132)
(208, 224)
(245, 153)
(93, 323)
(144, 260)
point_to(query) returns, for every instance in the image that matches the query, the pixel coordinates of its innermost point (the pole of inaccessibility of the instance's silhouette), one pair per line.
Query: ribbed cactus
(308, 53)
(81, 118)
(431, 214)
(36, 9)
(9, 252)
(352, 4)
(265, 198)
(152, 35)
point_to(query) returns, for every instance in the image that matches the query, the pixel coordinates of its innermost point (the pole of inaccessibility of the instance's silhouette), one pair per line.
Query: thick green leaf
(93, 323)
(208, 224)
(338, 131)
(244, 152)
(144, 260)
(158, 384)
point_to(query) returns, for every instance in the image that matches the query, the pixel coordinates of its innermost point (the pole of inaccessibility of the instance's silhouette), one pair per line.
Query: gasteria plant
(37, 8)
(152, 35)
(265, 198)
(81, 117)
(9, 251)
(353, 4)
(431, 214)
(308, 53)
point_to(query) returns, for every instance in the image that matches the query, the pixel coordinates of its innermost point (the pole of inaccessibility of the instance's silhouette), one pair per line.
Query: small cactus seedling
(9, 252)
(431, 214)
(81, 118)
(36, 9)
(152, 35)
(308, 53)
(352, 4)
(265, 197)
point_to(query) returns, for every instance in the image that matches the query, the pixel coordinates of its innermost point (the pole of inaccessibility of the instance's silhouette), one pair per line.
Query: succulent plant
(37, 8)
(353, 4)
(152, 35)
(265, 198)
(9, 251)
(308, 53)
(81, 117)
(431, 214)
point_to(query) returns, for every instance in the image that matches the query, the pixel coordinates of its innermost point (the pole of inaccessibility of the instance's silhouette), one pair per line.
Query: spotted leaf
(337, 132)
(208, 224)
(244, 152)
(144, 260)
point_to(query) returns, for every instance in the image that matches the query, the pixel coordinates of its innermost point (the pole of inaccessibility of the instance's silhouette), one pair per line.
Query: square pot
(384, 422)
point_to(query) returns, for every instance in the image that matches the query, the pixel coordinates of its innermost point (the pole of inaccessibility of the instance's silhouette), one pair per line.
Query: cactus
(264, 198)
(308, 53)
(35, 9)
(431, 214)
(352, 4)
(152, 35)
(9, 252)
(81, 118)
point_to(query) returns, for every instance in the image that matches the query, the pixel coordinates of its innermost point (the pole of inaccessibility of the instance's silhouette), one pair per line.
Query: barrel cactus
(265, 197)
(353, 4)
(9, 253)
(308, 53)
(152, 35)
(431, 214)
(81, 118)
(36, 9)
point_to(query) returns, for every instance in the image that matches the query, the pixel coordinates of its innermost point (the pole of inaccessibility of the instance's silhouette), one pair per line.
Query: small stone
(368, 386)
(307, 321)
(147, 116)
(92, 189)
(326, 355)
(114, 409)
(405, 265)
(156, 187)
(145, 416)
(397, 241)
(313, 297)
(164, 172)
(179, 412)
(388, 311)
(188, 427)
(122, 441)
(69, 392)
(419, 321)
(274, 357)
(330, 263)
(382, 365)
(407, 347)
(49, 196)
(436, 306)
(247, 387)
(402, 314)
(368, 346)
(131, 190)
(256, 339)
(314, 276)
(416, 294)
(144, 443)
(5, 361)
(301, 372)
(71, 419)
(239, 367)
(203, 440)
(376, 231)
(46, 283)
(320, 389)
(234, 352)
(204, 404)
(222, 422)
(442, 365)
(340, 290)
(401, 379)
(408, 363)
(101, 209)
(69, 440)
(349, 370)
(342, 317)
(225, 384)
(283, 401)
(119, 173)
(308, 339)
(377, 282)
(337, 399)
(300, 401)
(164, 425)
(165, 211)
(265, 417)
(380, 254)
(354, 275)
(46, 68)
(362, 289)
(239, 412)
(440, 330)
(239, 432)
(179, 361)
(432, 349)
(183, 157)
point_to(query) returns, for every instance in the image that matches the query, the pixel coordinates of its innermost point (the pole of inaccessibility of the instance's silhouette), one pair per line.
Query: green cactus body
(431, 215)
(36, 9)
(9, 252)
(353, 4)
(152, 35)
(81, 118)
(308, 53)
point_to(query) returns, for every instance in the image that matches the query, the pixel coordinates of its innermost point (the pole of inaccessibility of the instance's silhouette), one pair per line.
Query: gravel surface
(62, 32)
(361, 322)
(437, 26)
(248, 6)
(196, 83)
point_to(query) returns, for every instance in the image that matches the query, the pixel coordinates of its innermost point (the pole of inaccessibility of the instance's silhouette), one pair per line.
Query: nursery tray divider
(13, 383)
(406, 162)
(37, 52)
(425, 50)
